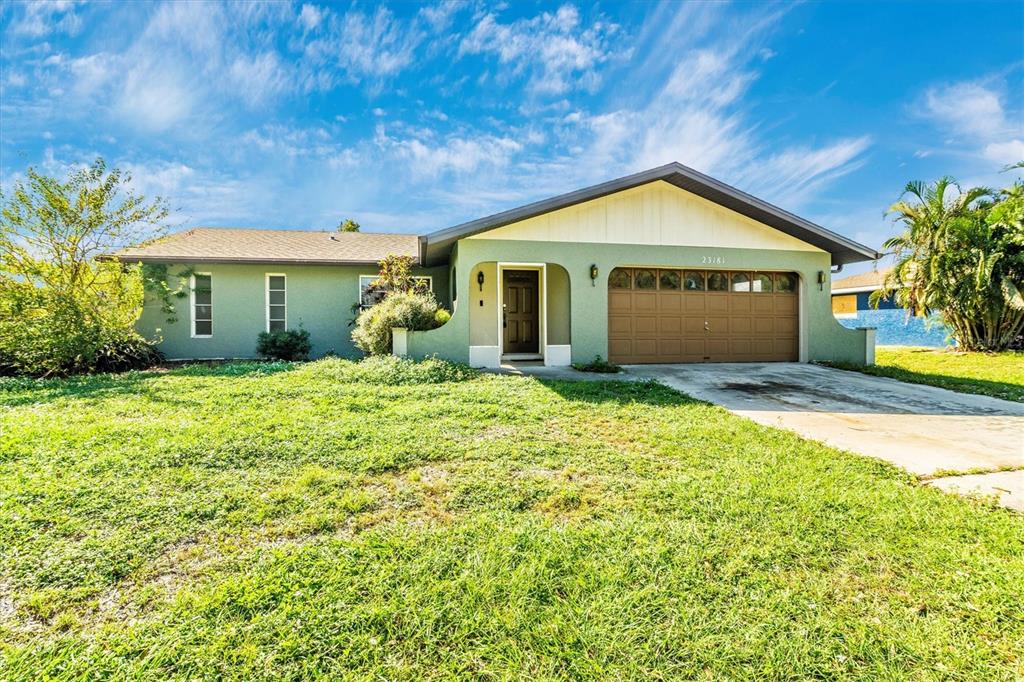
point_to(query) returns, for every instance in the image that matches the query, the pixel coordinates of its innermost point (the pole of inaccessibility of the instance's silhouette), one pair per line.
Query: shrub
(441, 317)
(63, 307)
(413, 311)
(598, 365)
(388, 370)
(127, 354)
(290, 345)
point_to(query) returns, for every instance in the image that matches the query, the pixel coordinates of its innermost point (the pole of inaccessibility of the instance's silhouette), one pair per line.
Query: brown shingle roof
(873, 278)
(233, 245)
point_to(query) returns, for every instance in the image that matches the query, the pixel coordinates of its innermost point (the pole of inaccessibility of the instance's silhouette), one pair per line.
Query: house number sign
(712, 260)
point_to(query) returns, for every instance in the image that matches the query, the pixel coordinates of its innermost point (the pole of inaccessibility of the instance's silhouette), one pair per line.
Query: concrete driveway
(929, 431)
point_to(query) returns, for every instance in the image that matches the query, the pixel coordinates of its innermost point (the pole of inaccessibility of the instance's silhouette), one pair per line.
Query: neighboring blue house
(895, 326)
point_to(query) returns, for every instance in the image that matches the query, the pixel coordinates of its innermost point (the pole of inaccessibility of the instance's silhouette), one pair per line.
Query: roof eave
(185, 260)
(844, 251)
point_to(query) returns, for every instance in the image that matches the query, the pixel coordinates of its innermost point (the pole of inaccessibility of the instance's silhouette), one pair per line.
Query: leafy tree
(961, 255)
(62, 308)
(348, 225)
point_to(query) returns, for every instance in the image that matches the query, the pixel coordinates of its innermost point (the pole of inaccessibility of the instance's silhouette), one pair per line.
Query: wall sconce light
(480, 279)
(593, 275)
(821, 280)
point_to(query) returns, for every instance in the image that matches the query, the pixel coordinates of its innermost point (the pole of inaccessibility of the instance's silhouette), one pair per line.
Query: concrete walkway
(929, 431)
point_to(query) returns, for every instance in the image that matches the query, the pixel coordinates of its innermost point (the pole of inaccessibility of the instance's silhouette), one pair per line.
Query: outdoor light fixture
(821, 280)
(593, 275)
(480, 279)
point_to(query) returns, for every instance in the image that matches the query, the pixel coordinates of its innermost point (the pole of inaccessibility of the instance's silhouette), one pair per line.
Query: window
(785, 284)
(202, 304)
(740, 281)
(370, 295)
(645, 279)
(693, 280)
(277, 298)
(619, 279)
(669, 280)
(763, 284)
(718, 281)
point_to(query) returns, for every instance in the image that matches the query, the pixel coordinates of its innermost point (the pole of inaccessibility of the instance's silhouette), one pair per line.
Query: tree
(348, 225)
(61, 305)
(961, 255)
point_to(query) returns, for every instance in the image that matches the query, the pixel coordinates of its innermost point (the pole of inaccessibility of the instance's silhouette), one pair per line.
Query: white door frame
(542, 301)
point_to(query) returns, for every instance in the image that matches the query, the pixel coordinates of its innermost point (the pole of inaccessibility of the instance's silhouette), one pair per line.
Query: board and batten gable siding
(319, 299)
(656, 214)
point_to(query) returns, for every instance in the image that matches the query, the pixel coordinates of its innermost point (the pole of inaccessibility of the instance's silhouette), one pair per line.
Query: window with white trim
(201, 288)
(370, 295)
(277, 303)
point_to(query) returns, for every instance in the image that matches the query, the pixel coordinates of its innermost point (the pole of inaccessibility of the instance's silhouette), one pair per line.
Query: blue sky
(411, 118)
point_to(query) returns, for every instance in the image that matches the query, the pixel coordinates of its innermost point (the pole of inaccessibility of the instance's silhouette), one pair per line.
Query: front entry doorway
(520, 316)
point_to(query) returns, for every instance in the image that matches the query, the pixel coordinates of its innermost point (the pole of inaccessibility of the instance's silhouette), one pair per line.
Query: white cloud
(366, 46)
(439, 16)
(1004, 153)
(969, 108)
(259, 77)
(696, 118)
(552, 49)
(976, 117)
(455, 154)
(43, 17)
(310, 17)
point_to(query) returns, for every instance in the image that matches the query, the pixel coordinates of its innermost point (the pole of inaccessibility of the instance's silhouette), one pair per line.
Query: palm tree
(960, 257)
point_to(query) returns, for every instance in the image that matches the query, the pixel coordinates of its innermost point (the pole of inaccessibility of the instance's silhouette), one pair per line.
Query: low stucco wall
(822, 337)
(320, 299)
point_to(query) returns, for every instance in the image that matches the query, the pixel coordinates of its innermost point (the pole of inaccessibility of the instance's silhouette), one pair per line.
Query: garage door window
(669, 280)
(619, 279)
(645, 279)
(763, 284)
(785, 284)
(740, 281)
(693, 281)
(718, 281)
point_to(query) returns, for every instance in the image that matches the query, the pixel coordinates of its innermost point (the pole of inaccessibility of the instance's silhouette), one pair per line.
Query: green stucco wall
(320, 298)
(823, 338)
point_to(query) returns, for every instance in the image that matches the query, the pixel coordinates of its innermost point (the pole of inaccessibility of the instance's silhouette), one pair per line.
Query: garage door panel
(670, 326)
(740, 304)
(785, 304)
(645, 302)
(740, 325)
(717, 303)
(645, 347)
(670, 303)
(620, 325)
(694, 325)
(785, 326)
(684, 325)
(620, 301)
(645, 326)
(670, 348)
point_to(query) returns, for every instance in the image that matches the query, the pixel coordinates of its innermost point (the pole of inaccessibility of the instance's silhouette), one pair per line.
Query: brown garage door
(678, 315)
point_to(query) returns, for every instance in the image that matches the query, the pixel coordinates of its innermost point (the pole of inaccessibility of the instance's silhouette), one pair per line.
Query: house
(894, 326)
(667, 265)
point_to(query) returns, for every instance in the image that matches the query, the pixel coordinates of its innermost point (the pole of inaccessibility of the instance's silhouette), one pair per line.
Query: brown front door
(520, 319)
(682, 315)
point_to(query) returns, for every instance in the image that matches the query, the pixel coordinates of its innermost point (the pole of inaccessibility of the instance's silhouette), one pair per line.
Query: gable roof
(235, 245)
(437, 244)
(865, 281)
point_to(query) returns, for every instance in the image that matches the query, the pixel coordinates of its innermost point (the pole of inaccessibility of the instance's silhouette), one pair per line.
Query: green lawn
(1000, 375)
(276, 522)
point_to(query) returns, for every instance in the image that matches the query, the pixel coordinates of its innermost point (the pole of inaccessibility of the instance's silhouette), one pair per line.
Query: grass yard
(340, 520)
(1000, 375)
